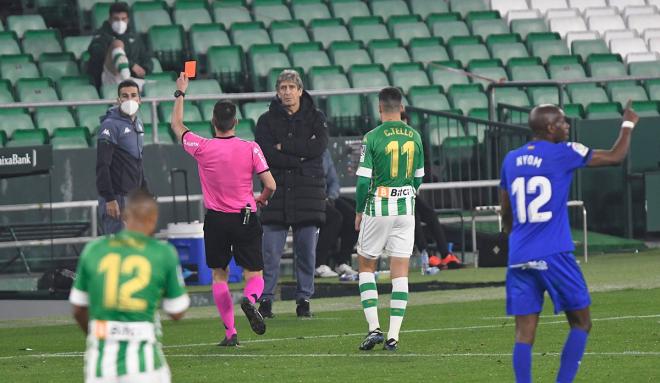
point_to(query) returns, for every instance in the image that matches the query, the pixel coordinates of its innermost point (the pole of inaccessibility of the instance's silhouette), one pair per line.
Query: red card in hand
(190, 68)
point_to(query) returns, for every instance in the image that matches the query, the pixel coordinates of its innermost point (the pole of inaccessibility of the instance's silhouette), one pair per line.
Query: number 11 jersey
(537, 177)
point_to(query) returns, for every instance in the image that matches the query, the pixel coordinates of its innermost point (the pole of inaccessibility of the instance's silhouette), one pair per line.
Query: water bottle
(450, 247)
(424, 261)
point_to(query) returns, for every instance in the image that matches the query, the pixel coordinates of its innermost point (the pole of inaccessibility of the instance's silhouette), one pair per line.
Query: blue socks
(522, 362)
(571, 356)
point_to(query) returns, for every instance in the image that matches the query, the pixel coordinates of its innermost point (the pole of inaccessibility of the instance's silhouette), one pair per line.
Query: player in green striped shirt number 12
(390, 173)
(120, 281)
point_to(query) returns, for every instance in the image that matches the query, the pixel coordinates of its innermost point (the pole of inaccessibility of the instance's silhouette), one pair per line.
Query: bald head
(141, 212)
(548, 122)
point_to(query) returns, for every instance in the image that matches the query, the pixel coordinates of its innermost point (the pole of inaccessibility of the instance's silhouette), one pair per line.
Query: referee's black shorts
(226, 236)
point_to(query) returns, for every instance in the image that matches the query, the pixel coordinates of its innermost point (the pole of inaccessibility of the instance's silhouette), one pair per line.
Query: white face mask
(119, 26)
(129, 107)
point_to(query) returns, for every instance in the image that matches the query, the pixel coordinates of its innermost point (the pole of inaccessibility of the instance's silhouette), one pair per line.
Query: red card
(190, 68)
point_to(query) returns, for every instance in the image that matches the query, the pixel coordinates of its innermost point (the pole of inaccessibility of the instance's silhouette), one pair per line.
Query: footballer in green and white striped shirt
(119, 284)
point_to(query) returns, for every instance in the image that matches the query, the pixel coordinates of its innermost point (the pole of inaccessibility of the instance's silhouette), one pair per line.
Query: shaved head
(548, 122)
(141, 212)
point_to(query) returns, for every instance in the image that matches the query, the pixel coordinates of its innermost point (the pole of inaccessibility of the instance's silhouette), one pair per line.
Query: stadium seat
(408, 27)
(587, 93)
(228, 13)
(642, 57)
(226, 64)
(491, 71)
(506, 49)
(308, 10)
(35, 90)
(57, 65)
(467, 97)
(638, 9)
(6, 95)
(427, 97)
(425, 7)
(584, 4)
(603, 66)
(559, 13)
(346, 9)
(388, 52)
(389, 8)
(642, 22)
(599, 11)
(546, 95)
(147, 14)
(465, 49)
(288, 32)
(523, 27)
(89, 116)
(344, 111)
(187, 13)
(50, 118)
(204, 36)
(601, 24)
(427, 49)
(70, 138)
(327, 77)
(77, 45)
(653, 89)
(522, 14)
(566, 71)
(441, 74)
(36, 42)
(29, 137)
(254, 110)
(511, 96)
(621, 4)
(602, 110)
(622, 92)
(307, 55)
(15, 119)
(406, 75)
(14, 67)
(326, 31)
(646, 108)
(610, 35)
(3, 138)
(564, 25)
(528, 73)
(99, 14)
(545, 49)
(465, 6)
(366, 76)
(245, 130)
(248, 34)
(447, 28)
(648, 68)
(544, 5)
(626, 46)
(585, 48)
(347, 53)
(9, 43)
(365, 29)
(261, 58)
(505, 6)
(78, 92)
(164, 136)
(268, 11)
(190, 112)
(21, 23)
(158, 86)
(485, 28)
(577, 36)
(204, 87)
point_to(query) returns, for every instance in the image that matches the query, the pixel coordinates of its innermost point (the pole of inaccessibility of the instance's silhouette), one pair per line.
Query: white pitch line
(592, 319)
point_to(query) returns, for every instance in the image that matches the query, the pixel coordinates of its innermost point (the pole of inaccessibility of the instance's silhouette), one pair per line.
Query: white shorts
(162, 375)
(393, 234)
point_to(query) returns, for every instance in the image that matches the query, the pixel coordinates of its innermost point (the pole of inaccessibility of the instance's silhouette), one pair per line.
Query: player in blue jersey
(535, 183)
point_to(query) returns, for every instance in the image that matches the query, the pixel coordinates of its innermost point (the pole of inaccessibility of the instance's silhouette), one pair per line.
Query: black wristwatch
(178, 93)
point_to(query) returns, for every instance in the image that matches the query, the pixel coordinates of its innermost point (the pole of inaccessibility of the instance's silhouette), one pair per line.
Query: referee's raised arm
(177, 114)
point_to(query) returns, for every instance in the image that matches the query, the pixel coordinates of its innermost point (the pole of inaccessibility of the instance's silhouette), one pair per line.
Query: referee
(226, 165)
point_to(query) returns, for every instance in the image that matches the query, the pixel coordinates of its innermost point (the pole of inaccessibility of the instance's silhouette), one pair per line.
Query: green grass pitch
(449, 336)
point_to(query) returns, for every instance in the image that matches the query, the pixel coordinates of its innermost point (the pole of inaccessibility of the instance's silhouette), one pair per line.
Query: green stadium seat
(22, 23)
(505, 47)
(494, 73)
(226, 64)
(573, 110)
(407, 28)
(70, 138)
(344, 111)
(485, 28)
(308, 10)
(446, 29)
(467, 97)
(268, 11)
(288, 32)
(190, 112)
(70, 92)
(346, 9)
(585, 48)
(566, 71)
(347, 53)
(50, 118)
(388, 8)
(603, 110)
(15, 119)
(14, 67)
(524, 27)
(370, 75)
(646, 108)
(426, 97)
(546, 48)
(511, 96)
(204, 36)
(147, 14)
(31, 137)
(187, 13)
(89, 116)
(228, 13)
(35, 90)
(440, 75)
(249, 33)
(528, 73)
(545, 95)
(387, 52)
(254, 110)
(99, 14)
(263, 57)
(274, 73)
(77, 45)
(645, 68)
(108, 92)
(327, 31)
(327, 77)
(36, 42)
(622, 92)
(6, 94)
(427, 49)
(57, 65)
(164, 135)
(606, 69)
(365, 29)
(475, 17)
(466, 49)
(465, 6)
(157, 87)
(245, 130)
(425, 7)
(166, 42)
(406, 75)
(204, 87)
(200, 128)
(9, 43)
(3, 138)
(307, 55)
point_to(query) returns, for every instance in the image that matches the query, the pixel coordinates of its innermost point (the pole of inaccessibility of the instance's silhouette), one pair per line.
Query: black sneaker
(372, 339)
(254, 316)
(391, 345)
(266, 308)
(229, 342)
(302, 308)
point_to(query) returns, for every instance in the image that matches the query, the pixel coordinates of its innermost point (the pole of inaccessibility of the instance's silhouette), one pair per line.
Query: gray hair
(289, 75)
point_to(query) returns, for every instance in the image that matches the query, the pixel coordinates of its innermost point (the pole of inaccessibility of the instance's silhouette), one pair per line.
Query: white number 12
(537, 183)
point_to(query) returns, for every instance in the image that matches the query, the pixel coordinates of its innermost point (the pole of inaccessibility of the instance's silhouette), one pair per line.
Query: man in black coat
(293, 135)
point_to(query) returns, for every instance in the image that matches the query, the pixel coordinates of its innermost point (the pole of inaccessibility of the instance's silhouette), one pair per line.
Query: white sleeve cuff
(419, 173)
(176, 305)
(79, 297)
(363, 172)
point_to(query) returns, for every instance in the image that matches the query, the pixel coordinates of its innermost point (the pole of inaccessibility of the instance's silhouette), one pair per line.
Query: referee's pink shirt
(226, 167)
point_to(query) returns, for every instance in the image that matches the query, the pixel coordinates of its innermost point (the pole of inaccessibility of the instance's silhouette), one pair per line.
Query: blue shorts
(563, 280)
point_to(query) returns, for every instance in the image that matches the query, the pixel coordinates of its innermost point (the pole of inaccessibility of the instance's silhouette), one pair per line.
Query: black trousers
(425, 213)
(339, 225)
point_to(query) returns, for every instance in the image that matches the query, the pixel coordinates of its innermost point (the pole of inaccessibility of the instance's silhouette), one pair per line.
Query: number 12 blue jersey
(537, 176)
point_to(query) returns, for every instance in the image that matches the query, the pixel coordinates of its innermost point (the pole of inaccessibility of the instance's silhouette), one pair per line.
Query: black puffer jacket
(298, 166)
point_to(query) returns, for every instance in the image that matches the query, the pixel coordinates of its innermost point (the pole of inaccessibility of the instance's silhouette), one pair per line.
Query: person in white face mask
(116, 52)
(119, 169)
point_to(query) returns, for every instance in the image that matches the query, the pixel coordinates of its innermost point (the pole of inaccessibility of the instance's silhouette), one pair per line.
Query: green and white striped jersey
(392, 156)
(122, 278)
